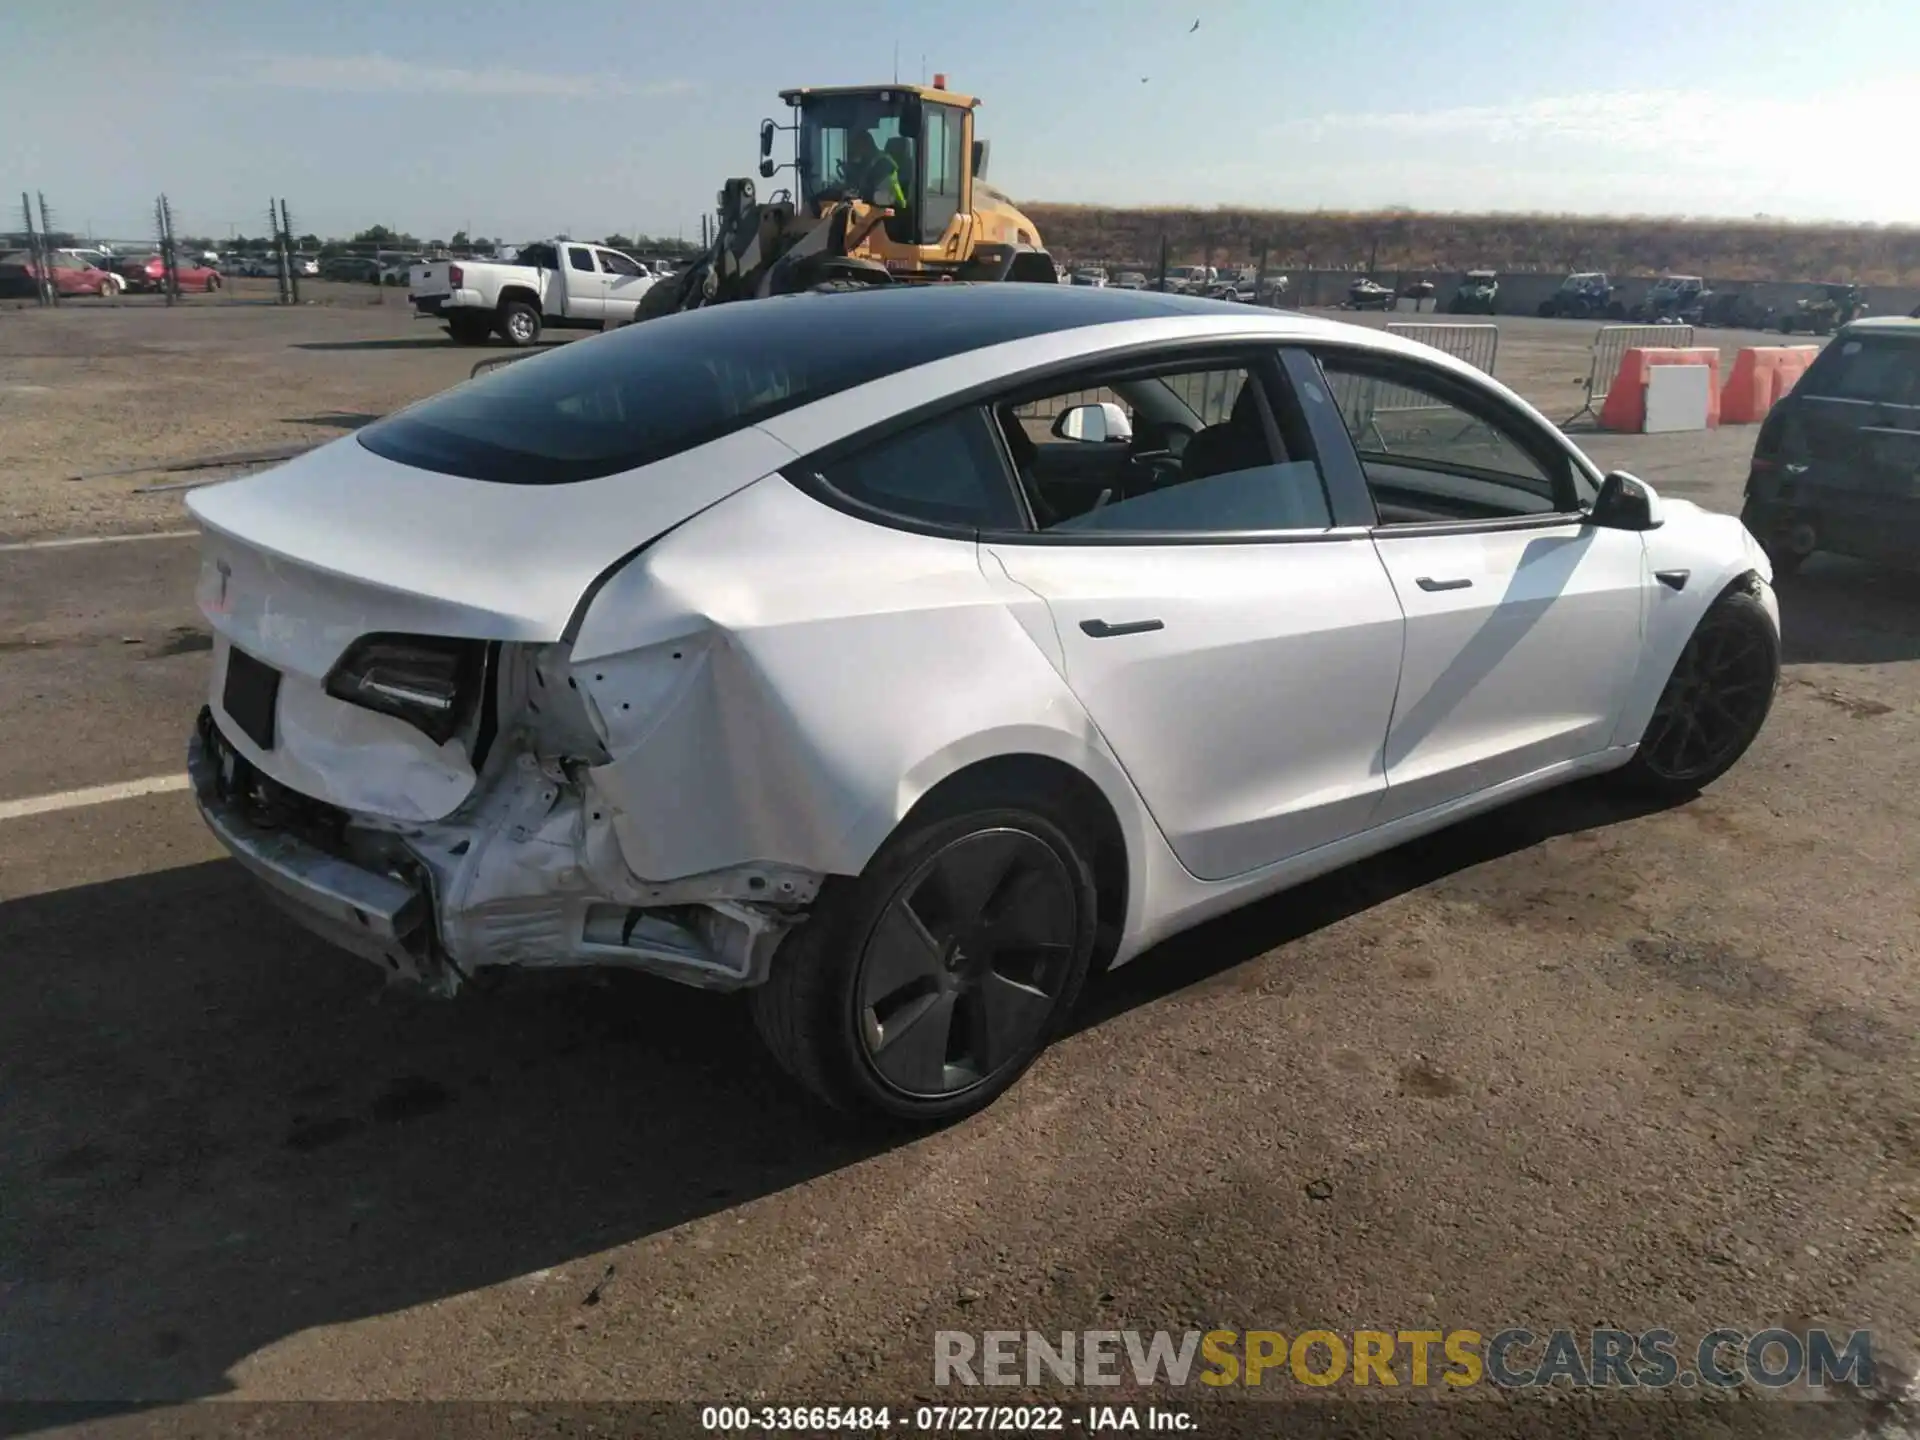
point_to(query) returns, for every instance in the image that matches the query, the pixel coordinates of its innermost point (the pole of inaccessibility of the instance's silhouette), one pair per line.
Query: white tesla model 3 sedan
(900, 657)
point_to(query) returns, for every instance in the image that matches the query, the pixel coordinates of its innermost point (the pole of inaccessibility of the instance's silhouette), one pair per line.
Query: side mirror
(1100, 424)
(1626, 502)
(766, 168)
(767, 128)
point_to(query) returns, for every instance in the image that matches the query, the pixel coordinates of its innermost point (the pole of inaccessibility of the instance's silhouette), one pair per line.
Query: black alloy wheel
(1717, 697)
(963, 969)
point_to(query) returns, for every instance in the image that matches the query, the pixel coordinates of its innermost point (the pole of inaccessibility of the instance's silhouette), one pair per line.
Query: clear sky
(520, 118)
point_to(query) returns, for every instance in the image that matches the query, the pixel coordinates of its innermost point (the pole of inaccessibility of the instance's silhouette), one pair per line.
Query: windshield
(842, 138)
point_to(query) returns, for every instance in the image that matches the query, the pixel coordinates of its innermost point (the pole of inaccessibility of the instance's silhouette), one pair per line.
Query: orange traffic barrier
(1626, 407)
(1762, 375)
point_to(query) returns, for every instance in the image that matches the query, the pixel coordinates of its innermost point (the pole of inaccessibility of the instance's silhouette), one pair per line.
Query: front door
(1238, 654)
(1523, 622)
(586, 286)
(1519, 646)
(626, 282)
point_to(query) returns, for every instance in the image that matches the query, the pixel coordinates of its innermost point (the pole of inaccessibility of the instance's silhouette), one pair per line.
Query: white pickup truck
(559, 284)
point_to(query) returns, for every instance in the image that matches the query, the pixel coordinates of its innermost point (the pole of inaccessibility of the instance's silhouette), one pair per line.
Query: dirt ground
(1573, 1064)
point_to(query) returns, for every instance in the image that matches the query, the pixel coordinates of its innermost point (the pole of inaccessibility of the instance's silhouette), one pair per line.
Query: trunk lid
(429, 280)
(299, 562)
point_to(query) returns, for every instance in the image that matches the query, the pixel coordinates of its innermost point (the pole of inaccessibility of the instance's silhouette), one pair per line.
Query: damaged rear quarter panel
(779, 682)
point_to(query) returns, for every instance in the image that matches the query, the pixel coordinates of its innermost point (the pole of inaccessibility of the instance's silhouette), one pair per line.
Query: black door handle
(1101, 630)
(1427, 582)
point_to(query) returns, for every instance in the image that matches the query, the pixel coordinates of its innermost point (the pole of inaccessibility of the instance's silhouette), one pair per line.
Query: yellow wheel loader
(889, 188)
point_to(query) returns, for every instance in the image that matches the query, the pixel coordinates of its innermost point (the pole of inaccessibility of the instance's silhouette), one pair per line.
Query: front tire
(919, 992)
(1714, 703)
(518, 323)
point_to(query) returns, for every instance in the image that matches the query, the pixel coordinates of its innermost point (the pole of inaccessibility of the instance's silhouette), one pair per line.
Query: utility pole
(40, 269)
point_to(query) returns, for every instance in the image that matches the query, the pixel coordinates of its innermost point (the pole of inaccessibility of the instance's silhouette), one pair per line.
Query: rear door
(583, 285)
(1237, 649)
(1853, 423)
(1523, 621)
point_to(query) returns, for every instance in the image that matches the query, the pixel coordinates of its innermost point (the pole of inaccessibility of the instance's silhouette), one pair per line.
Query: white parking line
(92, 795)
(76, 540)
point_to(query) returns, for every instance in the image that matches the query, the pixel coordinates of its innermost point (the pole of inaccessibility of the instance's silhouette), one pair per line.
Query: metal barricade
(1478, 345)
(1364, 401)
(1613, 341)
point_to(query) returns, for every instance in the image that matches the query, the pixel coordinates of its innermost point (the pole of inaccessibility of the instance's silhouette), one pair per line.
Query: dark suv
(1836, 466)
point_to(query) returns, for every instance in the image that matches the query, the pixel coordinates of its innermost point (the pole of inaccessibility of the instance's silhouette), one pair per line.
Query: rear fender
(779, 682)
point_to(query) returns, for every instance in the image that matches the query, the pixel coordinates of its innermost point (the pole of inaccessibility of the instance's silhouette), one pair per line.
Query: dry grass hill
(1630, 245)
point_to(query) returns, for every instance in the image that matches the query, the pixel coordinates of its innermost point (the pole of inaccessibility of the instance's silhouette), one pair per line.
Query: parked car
(1130, 280)
(307, 265)
(71, 274)
(1091, 277)
(1834, 461)
(150, 274)
(1737, 310)
(1198, 278)
(1584, 295)
(596, 287)
(1479, 294)
(1674, 299)
(768, 648)
(358, 269)
(1836, 305)
(1366, 294)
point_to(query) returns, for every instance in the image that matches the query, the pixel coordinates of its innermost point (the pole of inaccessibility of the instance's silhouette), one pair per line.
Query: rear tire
(919, 992)
(469, 327)
(518, 323)
(1714, 702)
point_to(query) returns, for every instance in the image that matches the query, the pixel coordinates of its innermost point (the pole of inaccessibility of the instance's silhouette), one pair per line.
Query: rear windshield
(647, 391)
(1881, 369)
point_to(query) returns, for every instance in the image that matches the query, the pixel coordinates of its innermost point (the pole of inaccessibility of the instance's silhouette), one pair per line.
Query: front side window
(1183, 449)
(945, 472)
(1432, 454)
(617, 264)
(842, 141)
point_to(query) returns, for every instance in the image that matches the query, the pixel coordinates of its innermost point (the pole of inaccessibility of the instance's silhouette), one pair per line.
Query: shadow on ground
(1844, 612)
(435, 341)
(219, 1133)
(340, 420)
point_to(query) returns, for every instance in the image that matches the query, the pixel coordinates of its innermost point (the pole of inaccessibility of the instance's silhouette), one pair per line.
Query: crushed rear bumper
(379, 917)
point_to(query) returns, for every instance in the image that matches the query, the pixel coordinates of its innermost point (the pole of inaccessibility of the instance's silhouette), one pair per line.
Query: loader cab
(839, 135)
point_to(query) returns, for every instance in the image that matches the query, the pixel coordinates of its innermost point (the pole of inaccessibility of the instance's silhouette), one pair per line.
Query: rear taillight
(455, 276)
(428, 681)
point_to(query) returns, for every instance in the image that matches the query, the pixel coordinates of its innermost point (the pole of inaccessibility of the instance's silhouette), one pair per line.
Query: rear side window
(946, 472)
(1882, 371)
(580, 258)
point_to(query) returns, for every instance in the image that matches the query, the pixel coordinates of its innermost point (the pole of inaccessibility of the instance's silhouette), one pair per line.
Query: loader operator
(875, 173)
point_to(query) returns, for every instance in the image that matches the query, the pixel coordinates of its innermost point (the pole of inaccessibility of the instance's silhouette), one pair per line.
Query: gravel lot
(1569, 1065)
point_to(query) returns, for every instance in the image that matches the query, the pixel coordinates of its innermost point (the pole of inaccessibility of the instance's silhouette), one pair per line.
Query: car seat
(1238, 443)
